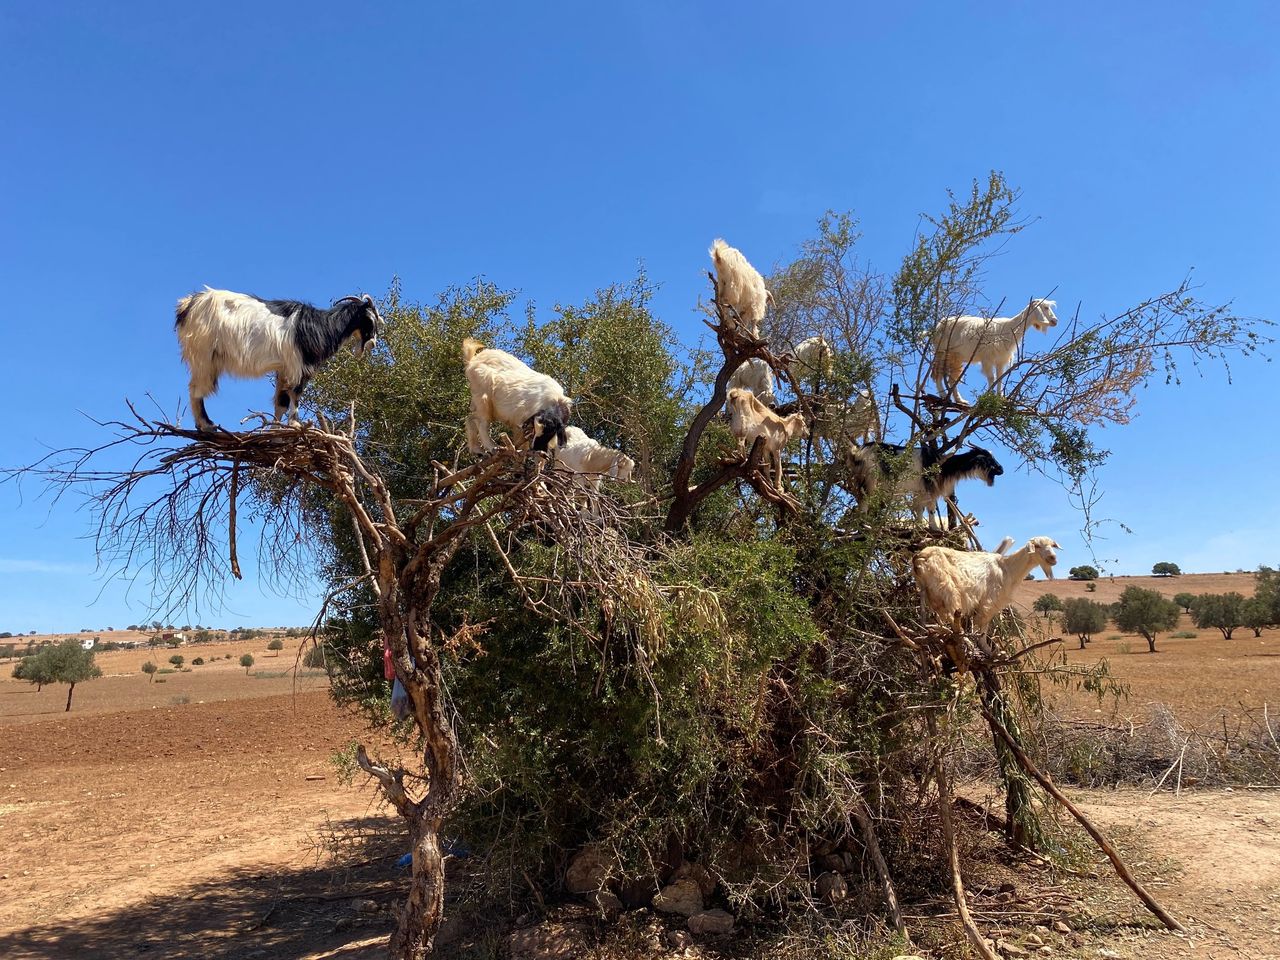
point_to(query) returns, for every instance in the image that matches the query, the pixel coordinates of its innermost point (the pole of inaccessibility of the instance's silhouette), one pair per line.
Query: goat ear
(1054, 544)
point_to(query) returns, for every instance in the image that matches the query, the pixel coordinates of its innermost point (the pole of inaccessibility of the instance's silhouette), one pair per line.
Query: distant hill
(1110, 588)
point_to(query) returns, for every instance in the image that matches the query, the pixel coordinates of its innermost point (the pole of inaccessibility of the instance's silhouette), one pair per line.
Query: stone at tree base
(679, 939)
(547, 941)
(831, 888)
(682, 897)
(1061, 927)
(588, 870)
(711, 922)
(698, 874)
(1010, 949)
(1033, 939)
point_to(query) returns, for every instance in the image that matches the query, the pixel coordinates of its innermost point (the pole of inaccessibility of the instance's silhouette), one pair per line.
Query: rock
(588, 871)
(606, 903)
(679, 939)
(1010, 949)
(698, 874)
(908, 956)
(682, 897)
(344, 923)
(711, 922)
(1033, 940)
(451, 928)
(1041, 929)
(1061, 927)
(366, 907)
(831, 888)
(547, 941)
(1108, 954)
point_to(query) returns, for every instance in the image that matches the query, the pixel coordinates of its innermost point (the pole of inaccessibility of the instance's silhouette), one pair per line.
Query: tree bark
(70, 691)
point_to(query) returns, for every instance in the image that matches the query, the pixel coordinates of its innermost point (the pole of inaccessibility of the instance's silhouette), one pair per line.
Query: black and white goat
(922, 481)
(245, 336)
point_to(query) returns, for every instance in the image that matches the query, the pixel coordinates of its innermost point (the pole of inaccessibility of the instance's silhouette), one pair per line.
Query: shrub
(246, 661)
(276, 646)
(150, 669)
(198, 661)
(178, 660)
(1091, 587)
(1184, 635)
(1047, 603)
(314, 657)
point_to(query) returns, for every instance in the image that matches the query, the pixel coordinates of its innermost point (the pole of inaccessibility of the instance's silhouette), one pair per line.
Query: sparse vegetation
(150, 669)
(1047, 603)
(246, 661)
(66, 662)
(178, 660)
(1084, 618)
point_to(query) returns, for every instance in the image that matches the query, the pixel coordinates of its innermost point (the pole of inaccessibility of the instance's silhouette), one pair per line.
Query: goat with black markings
(922, 481)
(222, 332)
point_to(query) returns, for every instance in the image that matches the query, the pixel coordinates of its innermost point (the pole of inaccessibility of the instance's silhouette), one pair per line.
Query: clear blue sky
(312, 149)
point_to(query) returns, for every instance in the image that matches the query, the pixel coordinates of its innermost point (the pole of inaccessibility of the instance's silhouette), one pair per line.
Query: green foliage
(1267, 591)
(1084, 572)
(1166, 569)
(1047, 603)
(66, 662)
(178, 660)
(1084, 618)
(1145, 612)
(1224, 611)
(197, 662)
(314, 657)
(246, 661)
(1257, 615)
(1184, 600)
(150, 669)
(276, 645)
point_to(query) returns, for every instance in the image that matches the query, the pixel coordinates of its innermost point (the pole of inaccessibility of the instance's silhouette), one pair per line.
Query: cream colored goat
(506, 389)
(586, 455)
(841, 423)
(990, 342)
(754, 375)
(750, 418)
(976, 585)
(742, 293)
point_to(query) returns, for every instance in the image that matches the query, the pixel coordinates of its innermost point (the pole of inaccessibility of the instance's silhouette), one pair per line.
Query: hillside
(1109, 588)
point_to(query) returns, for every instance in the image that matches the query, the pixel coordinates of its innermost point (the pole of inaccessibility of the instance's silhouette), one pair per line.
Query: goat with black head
(222, 332)
(922, 480)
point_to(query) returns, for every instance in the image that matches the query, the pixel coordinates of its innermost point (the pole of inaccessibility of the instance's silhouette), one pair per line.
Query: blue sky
(309, 150)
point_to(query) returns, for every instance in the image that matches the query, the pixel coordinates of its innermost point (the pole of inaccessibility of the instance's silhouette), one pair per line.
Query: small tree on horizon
(1084, 572)
(1145, 612)
(1084, 618)
(1225, 611)
(246, 661)
(66, 662)
(1166, 569)
(1047, 603)
(33, 669)
(276, 646)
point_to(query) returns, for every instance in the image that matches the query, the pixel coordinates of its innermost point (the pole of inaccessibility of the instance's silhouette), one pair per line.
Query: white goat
(742, 293)
(841, 423)
(222, 333)
(583, 454)
(757, 376)
(506, 389)
(990, 342)
(811, 357)
(958, 585)
(750, 418)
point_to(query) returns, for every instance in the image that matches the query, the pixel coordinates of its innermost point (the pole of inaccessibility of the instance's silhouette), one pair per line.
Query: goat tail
(187, 304)
(470, 347)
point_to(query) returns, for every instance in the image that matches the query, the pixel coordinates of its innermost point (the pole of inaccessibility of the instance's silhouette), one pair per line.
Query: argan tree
(701, 660)
(1083, 572)
(1084, 618)
(1166, 569)
(1145, 612)
(66, 662)
(1184, 600)
(1224, 611)
(275, 646)
(246, 661)
(1257, 615)
(1047, 603)
(150, 669)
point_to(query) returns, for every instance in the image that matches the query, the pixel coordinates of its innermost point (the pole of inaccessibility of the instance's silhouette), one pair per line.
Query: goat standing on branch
(923, 481)
(506, 389)
(976, 585)
(234, 333)
(741, 290)
(586, 455)
(991, 342)
(749, 419)
(756, 376)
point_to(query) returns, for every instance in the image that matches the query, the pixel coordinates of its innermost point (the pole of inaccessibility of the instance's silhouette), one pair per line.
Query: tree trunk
(1151, 640)
(1082, 642)
(70, 691)
(1020, 816)
(422, 912)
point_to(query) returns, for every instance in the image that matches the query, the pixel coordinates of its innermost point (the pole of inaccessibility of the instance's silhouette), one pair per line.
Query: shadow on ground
(349, 894)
